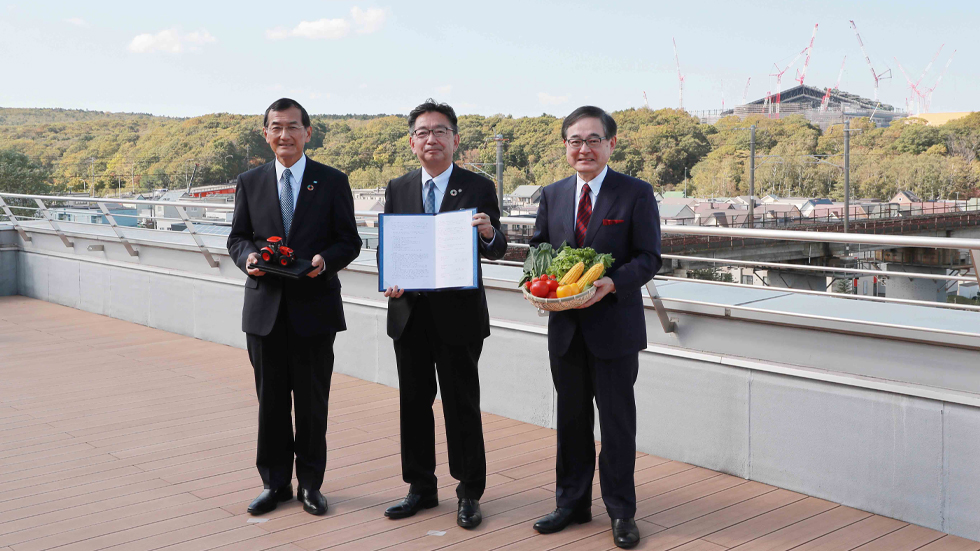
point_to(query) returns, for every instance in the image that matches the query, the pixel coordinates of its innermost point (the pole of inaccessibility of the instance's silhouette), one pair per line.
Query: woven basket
(559, 304)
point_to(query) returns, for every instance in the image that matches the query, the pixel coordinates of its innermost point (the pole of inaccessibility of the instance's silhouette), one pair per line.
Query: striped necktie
(286, 201)
(583, 217)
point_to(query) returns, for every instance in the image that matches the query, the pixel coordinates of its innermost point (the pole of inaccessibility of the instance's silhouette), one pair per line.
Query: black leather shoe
(468, 514)
(413, 503)
(269, 499)
(313, 501)
(560, 518)
(625, 532)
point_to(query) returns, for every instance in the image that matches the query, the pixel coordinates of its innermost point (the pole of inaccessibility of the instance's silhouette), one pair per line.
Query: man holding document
(441, 332)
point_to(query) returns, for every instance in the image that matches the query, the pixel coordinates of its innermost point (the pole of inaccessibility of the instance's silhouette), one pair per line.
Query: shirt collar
(594, 185)
(441, 181)
(296, 170)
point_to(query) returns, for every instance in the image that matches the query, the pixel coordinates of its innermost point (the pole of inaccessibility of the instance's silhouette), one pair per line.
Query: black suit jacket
(461, 316)
(323, 223)
(614, 326)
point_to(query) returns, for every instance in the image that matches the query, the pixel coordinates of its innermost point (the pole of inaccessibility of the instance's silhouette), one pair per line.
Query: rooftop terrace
(117, 435)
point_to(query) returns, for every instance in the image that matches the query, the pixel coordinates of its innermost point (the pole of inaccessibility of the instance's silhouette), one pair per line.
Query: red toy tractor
(276, 252)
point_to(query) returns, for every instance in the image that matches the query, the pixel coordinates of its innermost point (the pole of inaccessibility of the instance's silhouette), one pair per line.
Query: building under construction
(806, 100)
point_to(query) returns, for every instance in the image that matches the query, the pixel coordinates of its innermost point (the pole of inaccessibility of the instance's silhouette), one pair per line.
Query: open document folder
(428, 252)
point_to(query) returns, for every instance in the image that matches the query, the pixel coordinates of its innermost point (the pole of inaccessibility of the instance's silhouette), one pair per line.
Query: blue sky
(182, 58)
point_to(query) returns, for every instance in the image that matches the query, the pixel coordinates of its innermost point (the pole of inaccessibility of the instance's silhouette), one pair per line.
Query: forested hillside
(65, 149)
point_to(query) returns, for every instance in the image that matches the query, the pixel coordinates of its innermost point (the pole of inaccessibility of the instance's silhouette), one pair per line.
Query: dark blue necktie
(430, 197)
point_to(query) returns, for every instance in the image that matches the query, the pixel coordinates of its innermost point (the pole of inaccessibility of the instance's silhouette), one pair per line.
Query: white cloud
(547, 99)
(323, 29)
(362, 21)
(170, 40)
(368, 21)
(77, 21)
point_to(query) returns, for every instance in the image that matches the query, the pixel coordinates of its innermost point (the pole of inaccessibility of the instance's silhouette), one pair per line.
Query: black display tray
(299, 268)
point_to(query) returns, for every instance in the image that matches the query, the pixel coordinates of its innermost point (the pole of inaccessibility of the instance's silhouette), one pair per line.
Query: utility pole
(685, 182)
(499, 138)
(91, 176)
(752, 176)
(847, 174)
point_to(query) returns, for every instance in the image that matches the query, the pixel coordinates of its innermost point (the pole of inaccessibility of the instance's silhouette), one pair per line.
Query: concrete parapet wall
(840, 438)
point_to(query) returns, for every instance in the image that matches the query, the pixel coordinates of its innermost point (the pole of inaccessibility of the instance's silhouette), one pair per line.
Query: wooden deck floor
(114, 435)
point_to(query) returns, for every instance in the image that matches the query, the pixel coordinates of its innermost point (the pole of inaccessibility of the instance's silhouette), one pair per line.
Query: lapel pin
(453, 192)
(310, 187)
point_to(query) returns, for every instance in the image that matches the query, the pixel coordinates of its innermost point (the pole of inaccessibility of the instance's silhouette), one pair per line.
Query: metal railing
(41, 218)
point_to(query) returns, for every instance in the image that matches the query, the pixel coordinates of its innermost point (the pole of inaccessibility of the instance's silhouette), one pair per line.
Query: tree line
(56, 150)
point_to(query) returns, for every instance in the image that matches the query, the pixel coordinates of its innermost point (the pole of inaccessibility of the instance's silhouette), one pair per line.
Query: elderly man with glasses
(594, 350)
(441, 333)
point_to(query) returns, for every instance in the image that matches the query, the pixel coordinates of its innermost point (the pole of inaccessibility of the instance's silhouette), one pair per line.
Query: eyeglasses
(439, 133)
(278, 130)
(576, 143)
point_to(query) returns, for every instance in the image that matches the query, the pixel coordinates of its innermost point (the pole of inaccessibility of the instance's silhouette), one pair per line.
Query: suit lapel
(273, 197)
(607, 196)
(567, 202)
(308, 187)
(414, 186)
(449, 201)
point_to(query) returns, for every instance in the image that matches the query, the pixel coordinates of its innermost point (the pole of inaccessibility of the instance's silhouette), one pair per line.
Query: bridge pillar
(915, 288)
(796, 280)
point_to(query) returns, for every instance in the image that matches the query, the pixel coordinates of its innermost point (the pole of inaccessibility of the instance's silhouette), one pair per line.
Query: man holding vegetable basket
(596, 243)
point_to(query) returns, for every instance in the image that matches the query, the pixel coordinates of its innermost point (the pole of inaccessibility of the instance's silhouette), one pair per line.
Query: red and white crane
(779, 83)
(825, 101)
(912, 99)
(876, 76)
(800, 75)
(745, 93)
(680, 77)
(938, 80)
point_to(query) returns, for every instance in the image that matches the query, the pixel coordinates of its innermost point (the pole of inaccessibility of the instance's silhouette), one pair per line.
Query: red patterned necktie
(584, 214)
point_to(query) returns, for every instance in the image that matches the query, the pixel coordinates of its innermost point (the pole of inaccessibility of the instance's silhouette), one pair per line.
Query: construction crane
(801, 75)
(645, 102)
(745, 93)
(929, 66)
(914, 92)
(876, 76)
(779, 82)
(825, 101)
(680, 77)
(938, 80)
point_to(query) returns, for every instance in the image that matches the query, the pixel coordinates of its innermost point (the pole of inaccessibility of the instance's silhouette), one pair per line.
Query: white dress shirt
(594, 187)
(441, 184)
(296, 180)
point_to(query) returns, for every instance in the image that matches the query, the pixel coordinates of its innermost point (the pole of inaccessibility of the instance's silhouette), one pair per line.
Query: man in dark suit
(290, 325)
(594, 350)
(441, 332)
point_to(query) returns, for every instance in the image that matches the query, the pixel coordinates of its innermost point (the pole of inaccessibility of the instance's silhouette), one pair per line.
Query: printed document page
(426, 252)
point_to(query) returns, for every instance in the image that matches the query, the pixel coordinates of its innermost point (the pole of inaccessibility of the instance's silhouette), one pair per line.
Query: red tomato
(552, 285)
(539, 289)
(544, 277)
(552, 294)
(553, 278)
(528, 285)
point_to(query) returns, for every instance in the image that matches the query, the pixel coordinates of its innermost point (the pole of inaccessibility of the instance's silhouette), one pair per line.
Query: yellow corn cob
(594, 273)
(573, 274)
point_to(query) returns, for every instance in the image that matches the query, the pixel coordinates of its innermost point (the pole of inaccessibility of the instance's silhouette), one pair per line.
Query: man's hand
(318, 264)
(394, 292)
(483, 225)
(250, 262)
(603, 287)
